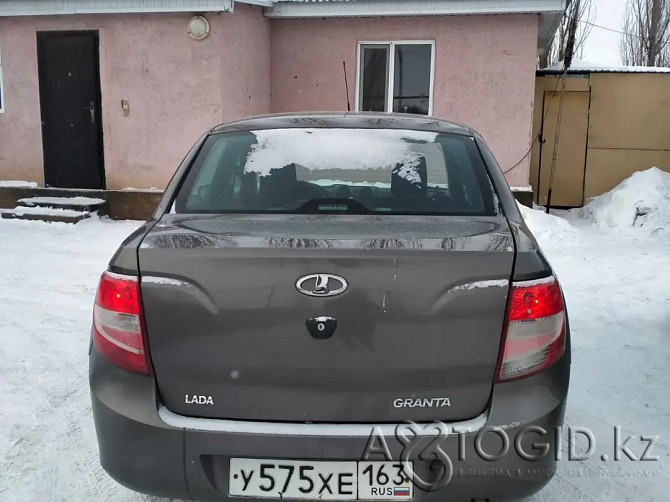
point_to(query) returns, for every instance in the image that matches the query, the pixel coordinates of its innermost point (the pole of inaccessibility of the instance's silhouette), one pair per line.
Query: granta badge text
(422, 402)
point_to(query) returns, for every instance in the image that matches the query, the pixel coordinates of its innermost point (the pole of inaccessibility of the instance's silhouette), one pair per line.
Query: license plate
(315, 480)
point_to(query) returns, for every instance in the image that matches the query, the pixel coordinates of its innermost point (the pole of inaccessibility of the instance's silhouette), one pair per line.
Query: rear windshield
(314, 171)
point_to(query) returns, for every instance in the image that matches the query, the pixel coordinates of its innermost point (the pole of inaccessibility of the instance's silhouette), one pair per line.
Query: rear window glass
(368, 171)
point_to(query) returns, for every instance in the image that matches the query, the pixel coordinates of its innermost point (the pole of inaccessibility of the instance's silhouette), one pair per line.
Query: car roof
(344, 120)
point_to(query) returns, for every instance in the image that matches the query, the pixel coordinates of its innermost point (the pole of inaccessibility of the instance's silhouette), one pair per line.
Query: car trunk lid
(418, 328)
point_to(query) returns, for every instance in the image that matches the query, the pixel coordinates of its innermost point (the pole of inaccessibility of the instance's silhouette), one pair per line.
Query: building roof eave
(550, 11)
(12, 8)
(366, 8)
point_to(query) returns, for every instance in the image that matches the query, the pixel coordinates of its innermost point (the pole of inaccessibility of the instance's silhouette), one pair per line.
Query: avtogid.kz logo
(422, 443)
(427, 443)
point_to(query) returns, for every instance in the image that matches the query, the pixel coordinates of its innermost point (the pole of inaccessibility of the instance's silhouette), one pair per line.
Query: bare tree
(647, 33)
(585, 17)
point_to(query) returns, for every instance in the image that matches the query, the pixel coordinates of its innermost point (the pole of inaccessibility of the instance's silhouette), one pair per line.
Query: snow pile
(642, 200)
(545, 226)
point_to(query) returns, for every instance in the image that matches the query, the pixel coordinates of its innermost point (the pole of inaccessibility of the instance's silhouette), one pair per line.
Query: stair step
(71, 203)
(45, 214)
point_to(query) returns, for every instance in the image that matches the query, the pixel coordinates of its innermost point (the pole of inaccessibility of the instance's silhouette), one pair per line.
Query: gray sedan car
(337, 306)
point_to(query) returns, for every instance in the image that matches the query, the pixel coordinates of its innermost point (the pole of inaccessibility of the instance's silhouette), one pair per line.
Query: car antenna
(346, 84)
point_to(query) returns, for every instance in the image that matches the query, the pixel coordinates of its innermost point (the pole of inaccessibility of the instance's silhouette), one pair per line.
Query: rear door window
(314, 170)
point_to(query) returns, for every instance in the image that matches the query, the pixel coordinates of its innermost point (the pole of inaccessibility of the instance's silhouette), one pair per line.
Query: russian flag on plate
(401, 492)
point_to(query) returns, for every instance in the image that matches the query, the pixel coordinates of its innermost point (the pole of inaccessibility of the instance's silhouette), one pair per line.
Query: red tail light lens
(535, 333)
(117, 323)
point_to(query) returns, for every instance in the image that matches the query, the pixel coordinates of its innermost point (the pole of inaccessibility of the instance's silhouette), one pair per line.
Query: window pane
(374, 82)
(412, 78)
(355, 171)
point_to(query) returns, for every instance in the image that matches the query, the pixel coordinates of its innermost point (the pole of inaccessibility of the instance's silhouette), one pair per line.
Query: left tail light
(118, 333)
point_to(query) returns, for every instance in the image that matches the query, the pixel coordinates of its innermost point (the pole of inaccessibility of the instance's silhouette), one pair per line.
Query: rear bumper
(148, 449)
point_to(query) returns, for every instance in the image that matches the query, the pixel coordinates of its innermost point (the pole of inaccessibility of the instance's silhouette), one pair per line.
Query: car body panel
(359, 120)
(189, 461)
(225, 320)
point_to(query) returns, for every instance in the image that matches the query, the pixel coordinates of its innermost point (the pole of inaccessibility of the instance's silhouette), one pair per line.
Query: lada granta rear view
(331, 306)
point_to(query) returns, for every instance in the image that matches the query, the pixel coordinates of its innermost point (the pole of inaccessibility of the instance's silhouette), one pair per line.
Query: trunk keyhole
(321, 328)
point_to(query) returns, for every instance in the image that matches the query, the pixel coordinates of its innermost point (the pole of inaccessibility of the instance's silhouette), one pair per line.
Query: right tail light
(534, 337)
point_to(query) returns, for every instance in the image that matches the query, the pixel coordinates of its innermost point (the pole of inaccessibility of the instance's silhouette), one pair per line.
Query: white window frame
(3, 98)
(391, 76)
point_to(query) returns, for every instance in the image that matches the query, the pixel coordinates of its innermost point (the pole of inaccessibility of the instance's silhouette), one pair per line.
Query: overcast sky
(602, 46)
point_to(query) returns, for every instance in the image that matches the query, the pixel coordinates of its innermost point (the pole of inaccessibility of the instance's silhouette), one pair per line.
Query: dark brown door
(70, 104)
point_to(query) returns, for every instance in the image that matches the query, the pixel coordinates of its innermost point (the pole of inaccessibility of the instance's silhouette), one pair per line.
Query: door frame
(45, 35)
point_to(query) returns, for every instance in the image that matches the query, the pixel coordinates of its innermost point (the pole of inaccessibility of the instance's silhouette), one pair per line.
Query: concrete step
(121, 204)
(90, 204)
(45, 214)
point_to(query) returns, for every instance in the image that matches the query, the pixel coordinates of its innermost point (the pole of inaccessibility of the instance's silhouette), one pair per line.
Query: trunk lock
(321, 328)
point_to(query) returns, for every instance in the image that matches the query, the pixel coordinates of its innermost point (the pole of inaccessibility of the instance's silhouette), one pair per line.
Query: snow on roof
(49, 7)
(346, 8)
(584, 66)
(18, 184)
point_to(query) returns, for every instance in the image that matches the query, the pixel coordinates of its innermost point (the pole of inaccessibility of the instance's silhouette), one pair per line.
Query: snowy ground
(615, 276)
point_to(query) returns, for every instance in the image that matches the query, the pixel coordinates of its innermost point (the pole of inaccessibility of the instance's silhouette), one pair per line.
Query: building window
(395, 77)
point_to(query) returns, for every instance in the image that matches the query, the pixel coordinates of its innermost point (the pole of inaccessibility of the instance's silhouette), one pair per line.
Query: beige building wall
(613, 125)
(629, 128)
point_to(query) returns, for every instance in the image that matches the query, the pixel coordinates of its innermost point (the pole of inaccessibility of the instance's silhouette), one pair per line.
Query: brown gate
(568, 184)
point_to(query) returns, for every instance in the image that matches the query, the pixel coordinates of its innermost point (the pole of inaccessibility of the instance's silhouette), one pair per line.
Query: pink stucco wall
(177, 88)
(484, 71)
